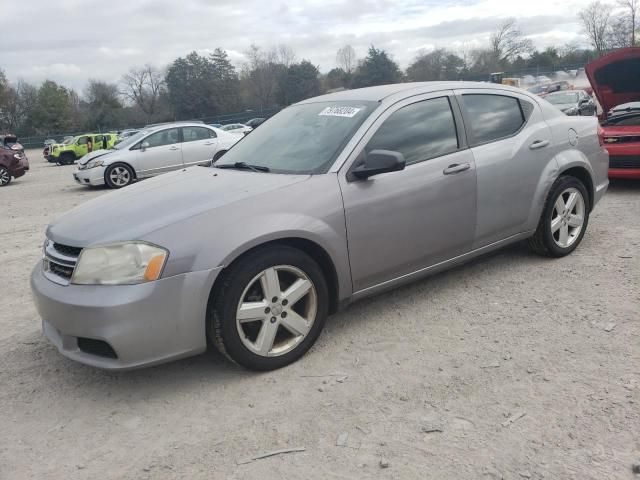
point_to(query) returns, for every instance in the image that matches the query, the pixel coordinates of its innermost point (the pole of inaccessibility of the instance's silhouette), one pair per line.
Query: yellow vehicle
(513, 82)
(70, 150)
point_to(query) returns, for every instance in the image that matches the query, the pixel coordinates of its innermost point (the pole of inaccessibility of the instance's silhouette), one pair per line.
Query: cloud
(71, 41)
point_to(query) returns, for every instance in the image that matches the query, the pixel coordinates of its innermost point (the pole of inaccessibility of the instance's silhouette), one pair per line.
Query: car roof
(380, 93)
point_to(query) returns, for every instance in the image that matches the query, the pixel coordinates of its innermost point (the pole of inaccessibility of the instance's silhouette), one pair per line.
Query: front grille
(99, 348)
(67, 250)
(59, 261)
(624, 161)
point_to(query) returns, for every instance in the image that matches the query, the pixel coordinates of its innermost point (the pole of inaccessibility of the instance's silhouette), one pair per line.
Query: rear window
(492, 117)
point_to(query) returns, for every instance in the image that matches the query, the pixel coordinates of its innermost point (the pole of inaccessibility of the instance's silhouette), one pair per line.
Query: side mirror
(144, 146)
(377, 162)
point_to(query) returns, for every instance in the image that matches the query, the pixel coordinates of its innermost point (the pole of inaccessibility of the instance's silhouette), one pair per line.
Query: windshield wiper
(244, 166)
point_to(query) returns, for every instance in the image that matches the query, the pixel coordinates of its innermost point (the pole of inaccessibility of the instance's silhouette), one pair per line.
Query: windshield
(536, 89)
(68, 141)
(226, 128)
(559, 98)
(303, 139)
(132, 140)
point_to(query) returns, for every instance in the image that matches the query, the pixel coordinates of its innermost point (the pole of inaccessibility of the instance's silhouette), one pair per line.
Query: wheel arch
(311, 248)
(582, 174)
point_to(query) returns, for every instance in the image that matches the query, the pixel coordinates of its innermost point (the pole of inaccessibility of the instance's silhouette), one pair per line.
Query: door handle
(456, 168)
(174, 148)
(210, 143)
(539, 144)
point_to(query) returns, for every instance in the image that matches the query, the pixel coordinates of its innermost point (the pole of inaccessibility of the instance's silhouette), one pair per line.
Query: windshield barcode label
(348, 112)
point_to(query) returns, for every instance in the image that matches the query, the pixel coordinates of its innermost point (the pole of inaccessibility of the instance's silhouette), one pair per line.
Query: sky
(71, 41)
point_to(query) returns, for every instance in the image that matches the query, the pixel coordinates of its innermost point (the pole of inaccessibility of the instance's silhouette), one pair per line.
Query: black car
(255, 122)
(572, 102)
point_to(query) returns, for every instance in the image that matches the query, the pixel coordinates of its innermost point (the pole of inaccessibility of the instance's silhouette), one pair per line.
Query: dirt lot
(511, 367)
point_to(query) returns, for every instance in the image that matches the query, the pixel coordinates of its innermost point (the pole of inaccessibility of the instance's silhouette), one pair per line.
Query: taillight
(601, 135)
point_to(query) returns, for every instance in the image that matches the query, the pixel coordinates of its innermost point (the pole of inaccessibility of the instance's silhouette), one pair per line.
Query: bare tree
(631, 6)
(261, 74)
(507, 42)
(346, 59)
(619, 32)
(143, 86)
(595, 23)
(285, 55)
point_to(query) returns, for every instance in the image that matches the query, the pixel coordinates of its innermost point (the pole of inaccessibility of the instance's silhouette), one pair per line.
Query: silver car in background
(154, 150)
(333, 199)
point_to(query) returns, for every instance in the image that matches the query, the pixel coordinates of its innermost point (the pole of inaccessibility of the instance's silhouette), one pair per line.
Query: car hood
(90, 156)
(615, 77)
(142, 208)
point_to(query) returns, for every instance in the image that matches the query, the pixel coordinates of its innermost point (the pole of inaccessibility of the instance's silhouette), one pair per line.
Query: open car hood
(615, 77)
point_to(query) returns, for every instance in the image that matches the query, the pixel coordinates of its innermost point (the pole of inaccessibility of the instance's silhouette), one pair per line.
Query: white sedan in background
(237, 128)
(152, 151)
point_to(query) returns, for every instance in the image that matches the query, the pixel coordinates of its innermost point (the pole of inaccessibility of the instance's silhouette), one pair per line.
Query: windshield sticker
(346, 112)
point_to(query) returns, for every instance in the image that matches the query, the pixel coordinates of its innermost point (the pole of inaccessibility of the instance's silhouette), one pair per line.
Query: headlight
(17, 156)
(94, 163)
(119, 264)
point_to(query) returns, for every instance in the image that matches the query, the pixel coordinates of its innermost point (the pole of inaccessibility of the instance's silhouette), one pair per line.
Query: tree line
(201, 86)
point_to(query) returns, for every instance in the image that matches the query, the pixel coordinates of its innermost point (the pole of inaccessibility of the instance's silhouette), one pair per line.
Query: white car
(152, 151)
(237, 128)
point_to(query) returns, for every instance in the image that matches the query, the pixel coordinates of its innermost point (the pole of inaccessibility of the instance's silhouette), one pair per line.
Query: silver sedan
(332, 200)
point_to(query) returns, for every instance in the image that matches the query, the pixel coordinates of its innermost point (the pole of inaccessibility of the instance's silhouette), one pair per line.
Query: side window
(192, 134)
(419, 131)
(82, 140)
(164, 137)
(492, 117)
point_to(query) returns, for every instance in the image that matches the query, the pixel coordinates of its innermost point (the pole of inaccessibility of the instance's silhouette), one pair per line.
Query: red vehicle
(615, 79)
(13, 161)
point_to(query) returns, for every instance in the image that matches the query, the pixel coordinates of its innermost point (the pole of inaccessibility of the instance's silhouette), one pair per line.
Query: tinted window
(192, 134)
(164, 137)
(419, 131)
(492, 116)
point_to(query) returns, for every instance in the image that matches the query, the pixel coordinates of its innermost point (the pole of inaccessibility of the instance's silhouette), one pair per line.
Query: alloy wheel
(5, 177)
(276, 311)
(120, 176)
(567, 218)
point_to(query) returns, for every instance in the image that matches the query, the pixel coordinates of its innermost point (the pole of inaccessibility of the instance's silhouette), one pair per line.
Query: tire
(118, 175)
(67, 159)
(5, 176)
(558, 234)
(269, 319)
(218, 156)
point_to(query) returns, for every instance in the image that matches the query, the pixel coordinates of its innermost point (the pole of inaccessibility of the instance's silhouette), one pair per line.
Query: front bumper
(143, 324)
(90, 176)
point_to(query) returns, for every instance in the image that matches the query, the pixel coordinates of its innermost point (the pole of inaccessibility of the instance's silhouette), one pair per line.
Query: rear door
(199, 145)
(512, 147)
(162, 153)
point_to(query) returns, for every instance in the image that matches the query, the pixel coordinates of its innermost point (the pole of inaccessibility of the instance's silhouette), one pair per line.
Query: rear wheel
(564, 219)
(67, 159)
(269, 309)
(118, 175)
(5, 176)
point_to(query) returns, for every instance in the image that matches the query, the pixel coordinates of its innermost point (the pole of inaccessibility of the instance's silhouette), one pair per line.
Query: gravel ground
(512, 367)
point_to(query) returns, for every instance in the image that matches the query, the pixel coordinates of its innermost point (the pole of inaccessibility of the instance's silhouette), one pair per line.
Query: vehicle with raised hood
(153, 150)
(615, 79)
(13, 161)
(334, 199)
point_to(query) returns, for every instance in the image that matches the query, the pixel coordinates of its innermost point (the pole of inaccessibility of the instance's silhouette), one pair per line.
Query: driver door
(81, 147)
(399, 223)
(160, 152)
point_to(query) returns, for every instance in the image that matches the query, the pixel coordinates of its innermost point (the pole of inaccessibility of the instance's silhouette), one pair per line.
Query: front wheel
(5, 176)
(118, 175)
(564, 219)
(269, 309)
